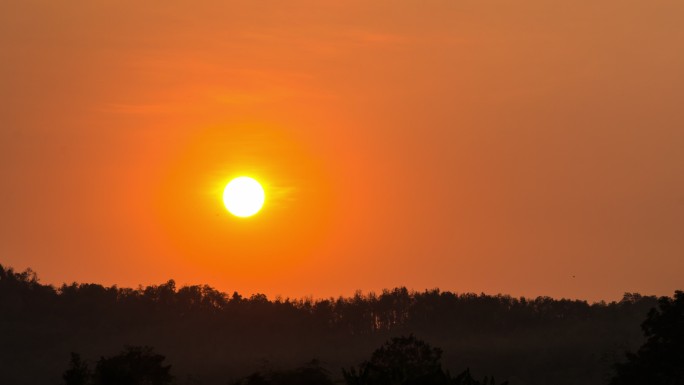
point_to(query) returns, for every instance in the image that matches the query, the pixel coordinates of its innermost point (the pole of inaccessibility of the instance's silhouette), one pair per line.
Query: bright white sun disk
(243, 196)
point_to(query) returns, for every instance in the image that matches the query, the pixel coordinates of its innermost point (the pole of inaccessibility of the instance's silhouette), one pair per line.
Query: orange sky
(491, 146)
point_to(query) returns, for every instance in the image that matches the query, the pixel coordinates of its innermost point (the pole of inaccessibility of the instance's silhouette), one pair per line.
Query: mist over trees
(210, 337)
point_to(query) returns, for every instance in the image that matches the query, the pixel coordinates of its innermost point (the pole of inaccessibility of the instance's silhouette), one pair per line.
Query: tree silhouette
(309, 374)
(660, 360)
(402, 360)
(134, 366)
(406, 361)
(78, 372)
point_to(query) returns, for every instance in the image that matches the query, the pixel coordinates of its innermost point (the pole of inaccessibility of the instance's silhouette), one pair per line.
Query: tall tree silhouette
(660, 360)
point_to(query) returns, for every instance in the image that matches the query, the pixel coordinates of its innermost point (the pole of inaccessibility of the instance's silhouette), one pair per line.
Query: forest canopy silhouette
(210, 337)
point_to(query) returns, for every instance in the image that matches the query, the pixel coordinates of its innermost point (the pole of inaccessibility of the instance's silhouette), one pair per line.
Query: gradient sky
(523, 147)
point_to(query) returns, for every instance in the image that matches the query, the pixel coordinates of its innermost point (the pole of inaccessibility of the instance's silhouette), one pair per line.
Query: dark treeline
(214, 338)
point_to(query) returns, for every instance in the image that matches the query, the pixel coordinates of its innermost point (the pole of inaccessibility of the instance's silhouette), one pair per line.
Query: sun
(243, 196)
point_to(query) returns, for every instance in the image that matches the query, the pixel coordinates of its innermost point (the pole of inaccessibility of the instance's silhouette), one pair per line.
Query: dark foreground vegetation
(401, 361)
(208, 337)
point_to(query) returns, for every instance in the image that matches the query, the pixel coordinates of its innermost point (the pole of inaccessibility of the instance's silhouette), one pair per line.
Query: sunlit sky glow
(531, 148)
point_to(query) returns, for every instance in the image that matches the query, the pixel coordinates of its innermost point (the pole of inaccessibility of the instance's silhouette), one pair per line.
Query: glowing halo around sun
(243, 196)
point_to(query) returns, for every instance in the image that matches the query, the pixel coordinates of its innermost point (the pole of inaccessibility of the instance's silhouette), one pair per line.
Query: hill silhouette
(211, 337)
